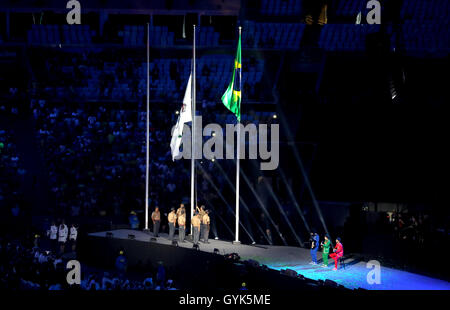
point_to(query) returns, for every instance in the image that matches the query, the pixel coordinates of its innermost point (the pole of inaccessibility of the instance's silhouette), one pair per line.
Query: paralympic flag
(184, 117)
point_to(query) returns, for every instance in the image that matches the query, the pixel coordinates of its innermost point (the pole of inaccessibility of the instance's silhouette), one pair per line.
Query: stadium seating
(425, 27)
(136, 36)
(126, 77)
(207, 37)
(11, 170)
(281, 7)
(349, 7)
(345, 37)
(272, 35)
(430, 10)
(426, 37)
(56, 34)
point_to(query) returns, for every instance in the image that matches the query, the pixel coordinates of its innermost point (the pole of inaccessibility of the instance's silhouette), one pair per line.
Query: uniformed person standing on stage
(156, 219)
(179, 209)
(196, 227)
(206, 224)
(73, 236)
(172, 219)
(182, 225)
(201, 213)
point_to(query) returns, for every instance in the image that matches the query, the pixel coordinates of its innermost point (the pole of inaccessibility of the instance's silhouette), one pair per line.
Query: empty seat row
(281, 7)
(56, 34)
(137, 36)
(272, 35)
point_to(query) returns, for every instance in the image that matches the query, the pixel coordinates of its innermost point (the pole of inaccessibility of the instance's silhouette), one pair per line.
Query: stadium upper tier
(92, 75)
(229, 7)
(278, 25)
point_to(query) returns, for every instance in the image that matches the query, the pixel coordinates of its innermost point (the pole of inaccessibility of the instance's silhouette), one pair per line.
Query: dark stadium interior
(362, 112)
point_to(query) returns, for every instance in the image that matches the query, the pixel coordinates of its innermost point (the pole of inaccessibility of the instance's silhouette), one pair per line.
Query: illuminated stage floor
(281, 257)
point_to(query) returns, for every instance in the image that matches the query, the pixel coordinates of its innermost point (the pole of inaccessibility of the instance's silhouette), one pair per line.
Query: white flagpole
(238, 153)
(193, 132)
(148, 127)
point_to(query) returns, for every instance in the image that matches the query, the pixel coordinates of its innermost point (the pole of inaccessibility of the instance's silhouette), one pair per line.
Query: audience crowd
(12, 174)
(24, 265)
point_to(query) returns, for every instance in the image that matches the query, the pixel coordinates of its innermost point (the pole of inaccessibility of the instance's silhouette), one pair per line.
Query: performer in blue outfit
(121, 264)
(314, 247)
(134, 221)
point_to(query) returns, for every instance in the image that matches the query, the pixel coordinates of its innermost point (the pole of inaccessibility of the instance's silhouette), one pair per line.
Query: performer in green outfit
(326, 249)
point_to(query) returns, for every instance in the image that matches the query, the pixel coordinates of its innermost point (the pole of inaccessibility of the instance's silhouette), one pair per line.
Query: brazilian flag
(232, 96)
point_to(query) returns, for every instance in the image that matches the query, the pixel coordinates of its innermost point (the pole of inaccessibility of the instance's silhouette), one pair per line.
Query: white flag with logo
(184, 117)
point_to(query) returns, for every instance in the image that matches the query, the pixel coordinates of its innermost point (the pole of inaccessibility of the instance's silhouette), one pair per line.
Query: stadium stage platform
(140, 251)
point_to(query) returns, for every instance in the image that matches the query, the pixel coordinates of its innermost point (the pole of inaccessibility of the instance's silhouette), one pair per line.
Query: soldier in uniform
(180, 209)
(182, 225)
(201, 213)
(206, 224)
(196, 227)
(156, 219)
(172, 219)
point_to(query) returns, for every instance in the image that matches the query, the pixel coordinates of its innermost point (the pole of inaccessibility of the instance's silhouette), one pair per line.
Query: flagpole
(148, 127)
(238, 152)
(193, 132)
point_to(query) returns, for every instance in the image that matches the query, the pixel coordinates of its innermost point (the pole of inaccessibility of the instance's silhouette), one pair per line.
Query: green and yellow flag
(232, 96)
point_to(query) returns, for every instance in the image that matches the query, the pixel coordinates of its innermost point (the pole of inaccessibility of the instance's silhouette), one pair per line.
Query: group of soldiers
(200, 223)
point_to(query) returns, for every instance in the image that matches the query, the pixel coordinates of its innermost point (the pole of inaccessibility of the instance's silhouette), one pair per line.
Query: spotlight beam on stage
(311, 192)
(226, 225)
(223, 221)
(308, 170)
(303, 171)
(242, 201)
(277, 202)
(207, 177)
(291, 194)
(213, 227)
(262, 207)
